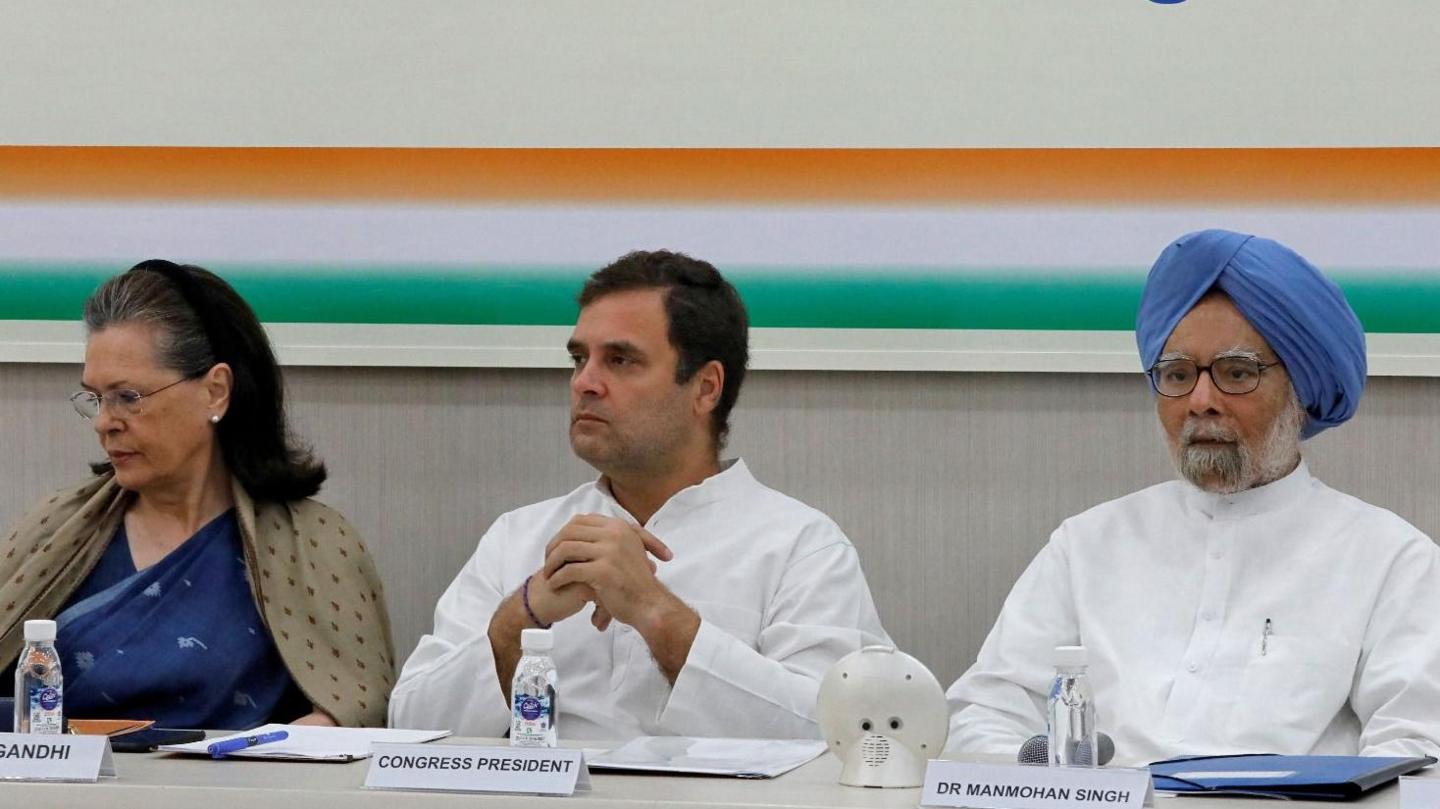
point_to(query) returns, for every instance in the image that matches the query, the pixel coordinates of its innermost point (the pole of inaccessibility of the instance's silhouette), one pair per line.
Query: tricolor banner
(847, 259)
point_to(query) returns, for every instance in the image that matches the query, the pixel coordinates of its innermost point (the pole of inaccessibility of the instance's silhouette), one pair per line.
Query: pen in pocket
(1265, 637)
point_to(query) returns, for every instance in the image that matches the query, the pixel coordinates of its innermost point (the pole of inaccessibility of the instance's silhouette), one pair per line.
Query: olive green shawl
(309, 573)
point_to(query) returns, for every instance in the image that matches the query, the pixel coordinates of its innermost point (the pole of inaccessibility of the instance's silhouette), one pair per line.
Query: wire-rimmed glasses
(122, 403)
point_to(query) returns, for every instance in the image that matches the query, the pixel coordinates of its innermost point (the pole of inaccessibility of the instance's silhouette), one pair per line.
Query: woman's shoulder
(301, 514)
(315, 512)
(309, 522)
(55, 507)
(67, 516)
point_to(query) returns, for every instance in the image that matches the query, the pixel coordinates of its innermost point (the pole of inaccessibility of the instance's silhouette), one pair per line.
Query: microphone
(1036, 750)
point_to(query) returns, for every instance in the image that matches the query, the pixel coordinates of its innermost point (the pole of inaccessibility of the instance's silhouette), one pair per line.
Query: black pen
(1265, 637)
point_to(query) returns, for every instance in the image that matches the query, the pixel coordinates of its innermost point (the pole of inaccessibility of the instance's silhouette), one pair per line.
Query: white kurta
(777, 584)
(1170, 589)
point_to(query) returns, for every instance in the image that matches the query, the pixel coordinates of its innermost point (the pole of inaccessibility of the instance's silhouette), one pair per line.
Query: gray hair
(202, 320)
(149, 298)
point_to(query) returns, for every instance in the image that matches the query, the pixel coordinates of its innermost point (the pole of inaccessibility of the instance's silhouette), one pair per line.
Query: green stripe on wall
(845, 298)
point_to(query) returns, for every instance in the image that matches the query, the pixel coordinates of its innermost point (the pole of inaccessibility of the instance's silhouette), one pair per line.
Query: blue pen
(224, 748)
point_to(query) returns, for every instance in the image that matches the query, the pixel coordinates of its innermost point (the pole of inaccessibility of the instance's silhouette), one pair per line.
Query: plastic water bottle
(39, 691)
(532, 693)
(1072, 710)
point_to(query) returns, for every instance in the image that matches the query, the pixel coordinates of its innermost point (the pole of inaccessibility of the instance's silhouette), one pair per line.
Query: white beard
(1237, 467)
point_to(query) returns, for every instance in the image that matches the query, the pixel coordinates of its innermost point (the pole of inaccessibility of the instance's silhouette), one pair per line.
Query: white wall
(811, 73)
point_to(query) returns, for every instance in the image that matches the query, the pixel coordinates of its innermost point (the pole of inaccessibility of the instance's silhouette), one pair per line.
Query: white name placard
(1420, 793)
(468, 768)
(33, 757)
(1016, 786)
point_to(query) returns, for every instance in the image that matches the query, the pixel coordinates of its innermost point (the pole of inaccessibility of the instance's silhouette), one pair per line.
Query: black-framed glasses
(121, 402)
(1234, 375)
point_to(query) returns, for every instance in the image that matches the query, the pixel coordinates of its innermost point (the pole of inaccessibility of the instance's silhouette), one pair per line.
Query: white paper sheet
(741, 758)
(307, 743)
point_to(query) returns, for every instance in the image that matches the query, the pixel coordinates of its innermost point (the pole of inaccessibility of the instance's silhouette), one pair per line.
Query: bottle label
(531, 708)
(46, 715)
(531, 720)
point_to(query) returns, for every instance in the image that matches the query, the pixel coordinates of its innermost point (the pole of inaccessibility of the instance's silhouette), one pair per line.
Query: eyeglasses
(1234, 375)
(121, 402)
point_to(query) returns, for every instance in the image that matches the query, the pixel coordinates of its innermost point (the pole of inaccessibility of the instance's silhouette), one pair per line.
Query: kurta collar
(733, 478)
(1251, 502)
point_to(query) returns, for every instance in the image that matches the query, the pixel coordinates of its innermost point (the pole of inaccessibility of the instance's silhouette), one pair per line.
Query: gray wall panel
(948, 483)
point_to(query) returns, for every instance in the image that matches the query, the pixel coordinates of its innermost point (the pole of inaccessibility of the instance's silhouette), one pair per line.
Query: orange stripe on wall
(726, 176)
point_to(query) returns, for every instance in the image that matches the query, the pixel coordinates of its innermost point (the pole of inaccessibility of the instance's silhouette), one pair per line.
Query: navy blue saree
(180, 642)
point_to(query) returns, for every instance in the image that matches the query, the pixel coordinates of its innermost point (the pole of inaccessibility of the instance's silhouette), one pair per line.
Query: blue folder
(1327, 778)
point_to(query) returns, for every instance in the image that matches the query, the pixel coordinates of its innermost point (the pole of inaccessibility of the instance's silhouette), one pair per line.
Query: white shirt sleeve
(449, 682)
(1396, 694)
(821, 612)
(1001, 701)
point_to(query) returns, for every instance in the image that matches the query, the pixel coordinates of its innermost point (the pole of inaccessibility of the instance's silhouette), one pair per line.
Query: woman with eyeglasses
(193, 580)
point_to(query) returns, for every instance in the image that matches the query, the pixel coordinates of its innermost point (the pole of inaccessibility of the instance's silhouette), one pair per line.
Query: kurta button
(1192, 667)
(1217, 554)
(1207, 616)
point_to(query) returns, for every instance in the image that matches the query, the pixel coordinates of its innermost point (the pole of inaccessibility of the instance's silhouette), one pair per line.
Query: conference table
(163, 781)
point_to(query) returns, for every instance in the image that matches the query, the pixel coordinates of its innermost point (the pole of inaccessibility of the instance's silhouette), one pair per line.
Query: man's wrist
(504, 633)
(507, 621)
(669, 629)
(666, 616)
(525, 604)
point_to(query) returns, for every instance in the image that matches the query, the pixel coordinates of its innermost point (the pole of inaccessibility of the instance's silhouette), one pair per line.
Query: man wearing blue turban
(1247, 607)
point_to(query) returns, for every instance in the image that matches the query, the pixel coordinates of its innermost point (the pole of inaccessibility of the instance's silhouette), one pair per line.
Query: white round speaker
(884, 714)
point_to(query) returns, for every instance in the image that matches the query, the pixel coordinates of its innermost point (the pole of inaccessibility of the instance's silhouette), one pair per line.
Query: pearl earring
(214, 418)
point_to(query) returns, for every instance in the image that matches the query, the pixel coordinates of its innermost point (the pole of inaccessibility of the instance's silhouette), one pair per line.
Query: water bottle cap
(1071, 656)
(536, 640)
(40, 631)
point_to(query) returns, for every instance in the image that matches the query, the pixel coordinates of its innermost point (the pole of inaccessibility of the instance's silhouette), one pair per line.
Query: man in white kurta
(1246, 608)
(686, 597)
(1172, 589)
(777, 585)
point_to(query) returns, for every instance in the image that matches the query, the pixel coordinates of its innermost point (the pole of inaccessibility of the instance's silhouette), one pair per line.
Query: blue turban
(1301, 313)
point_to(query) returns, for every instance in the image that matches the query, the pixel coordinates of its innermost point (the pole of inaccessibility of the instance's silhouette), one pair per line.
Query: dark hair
(203, 321)
(707, 317)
